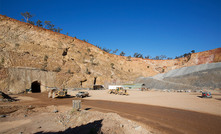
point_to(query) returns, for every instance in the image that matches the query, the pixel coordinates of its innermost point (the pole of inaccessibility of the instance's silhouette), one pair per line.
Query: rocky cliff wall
(74, 62)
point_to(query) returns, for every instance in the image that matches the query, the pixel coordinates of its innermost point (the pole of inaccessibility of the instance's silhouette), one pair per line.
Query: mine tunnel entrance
(35, 87)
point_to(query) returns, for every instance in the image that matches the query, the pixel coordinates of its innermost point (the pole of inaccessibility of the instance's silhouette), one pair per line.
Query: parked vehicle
(206, 95)
(98, 87)
(82, 94)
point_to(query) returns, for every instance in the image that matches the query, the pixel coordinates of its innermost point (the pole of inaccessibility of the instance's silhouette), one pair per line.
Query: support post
(76, 105)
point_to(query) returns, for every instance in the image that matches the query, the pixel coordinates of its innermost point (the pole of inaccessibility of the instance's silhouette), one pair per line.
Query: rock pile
(206, 76)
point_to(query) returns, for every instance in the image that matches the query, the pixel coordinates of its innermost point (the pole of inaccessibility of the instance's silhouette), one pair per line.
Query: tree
(98, 46)
(147, 57)
(31, 22)
(193, 51)
(115, 51)
(107, 50)
(156, 58)
(50, 27)
(27, 16)
(122, 53)
(137, 55)
(186, 54)
(57, 30)
(47, 23)
(39, 23)
(162, 57)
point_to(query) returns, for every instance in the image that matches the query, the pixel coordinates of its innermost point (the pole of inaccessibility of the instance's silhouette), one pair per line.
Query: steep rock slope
(207, 76)
(54, 59)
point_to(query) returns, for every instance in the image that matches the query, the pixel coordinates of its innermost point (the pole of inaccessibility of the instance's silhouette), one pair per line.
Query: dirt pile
(45, 120)
(30, 54)
(98, 122)
(204, 76)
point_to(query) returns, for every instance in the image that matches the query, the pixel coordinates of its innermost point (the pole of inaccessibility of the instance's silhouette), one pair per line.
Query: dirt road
(161, 119)
(166, 120)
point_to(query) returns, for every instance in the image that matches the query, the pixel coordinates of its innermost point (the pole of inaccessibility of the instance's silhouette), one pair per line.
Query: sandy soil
(34, 113)
(43, 120)
(187, 101)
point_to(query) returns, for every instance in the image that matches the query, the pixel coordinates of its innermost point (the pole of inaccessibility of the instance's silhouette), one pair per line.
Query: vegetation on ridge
(48, 25)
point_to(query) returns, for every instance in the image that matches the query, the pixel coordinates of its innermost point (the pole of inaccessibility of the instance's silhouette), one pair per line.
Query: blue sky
(149, 27)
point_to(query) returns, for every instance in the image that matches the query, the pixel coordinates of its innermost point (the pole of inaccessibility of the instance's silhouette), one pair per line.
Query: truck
(82, 94)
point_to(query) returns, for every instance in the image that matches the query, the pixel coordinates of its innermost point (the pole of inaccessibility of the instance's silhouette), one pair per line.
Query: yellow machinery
(119, 91)
(55, 93)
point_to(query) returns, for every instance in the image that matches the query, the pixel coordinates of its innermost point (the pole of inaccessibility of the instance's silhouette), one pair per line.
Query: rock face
(54, 59)
(204, 76)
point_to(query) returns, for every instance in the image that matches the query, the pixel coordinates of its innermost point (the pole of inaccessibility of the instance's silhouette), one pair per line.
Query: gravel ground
(187, 101)
(194, 78)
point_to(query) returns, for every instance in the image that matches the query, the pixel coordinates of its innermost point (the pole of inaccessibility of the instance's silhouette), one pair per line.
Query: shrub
(44, 67)
(95, 64)
(112, 65)
(3, 60)
(129, 58)
(69, 71)
(122, 53)
(46, 58)
(17, 45)
(58, 69)
(87, 71)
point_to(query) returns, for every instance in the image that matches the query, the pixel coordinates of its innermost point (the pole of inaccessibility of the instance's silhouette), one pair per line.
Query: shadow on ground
(218, 99)
(204, 97)
(67, 96)
(87, 108)
(90, 128)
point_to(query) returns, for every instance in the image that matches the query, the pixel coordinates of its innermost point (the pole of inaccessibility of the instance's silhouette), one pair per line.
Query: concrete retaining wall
(20, 79)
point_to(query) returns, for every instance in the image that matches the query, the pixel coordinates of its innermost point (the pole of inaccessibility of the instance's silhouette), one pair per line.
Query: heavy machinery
(55, 93)
(119, 91)
(206, 95)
